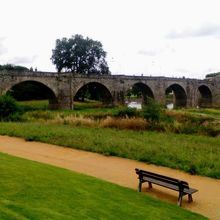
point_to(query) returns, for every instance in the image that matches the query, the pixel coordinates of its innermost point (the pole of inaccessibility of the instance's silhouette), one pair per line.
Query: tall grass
(170, 121)
(124, 123)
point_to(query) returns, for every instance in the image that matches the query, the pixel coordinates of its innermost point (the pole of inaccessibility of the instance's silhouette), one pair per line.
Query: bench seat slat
(169, 185)
(161, 183)
(176, 182)
(190, 191)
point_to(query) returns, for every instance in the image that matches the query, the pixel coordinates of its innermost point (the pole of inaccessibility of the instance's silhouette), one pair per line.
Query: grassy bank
(30, 190)
(191, 153)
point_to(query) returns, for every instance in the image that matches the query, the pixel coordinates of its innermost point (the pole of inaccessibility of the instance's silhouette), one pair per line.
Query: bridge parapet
(66, 85)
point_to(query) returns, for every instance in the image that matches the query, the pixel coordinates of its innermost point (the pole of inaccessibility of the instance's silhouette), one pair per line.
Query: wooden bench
(178, 185)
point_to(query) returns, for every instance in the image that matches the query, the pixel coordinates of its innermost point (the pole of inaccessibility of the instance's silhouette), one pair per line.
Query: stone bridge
(61, 89)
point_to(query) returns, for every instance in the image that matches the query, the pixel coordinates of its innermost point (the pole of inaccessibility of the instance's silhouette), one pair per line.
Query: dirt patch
(119, 171)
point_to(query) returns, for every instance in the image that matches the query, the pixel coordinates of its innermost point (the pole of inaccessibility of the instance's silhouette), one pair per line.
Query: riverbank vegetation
(151, 118)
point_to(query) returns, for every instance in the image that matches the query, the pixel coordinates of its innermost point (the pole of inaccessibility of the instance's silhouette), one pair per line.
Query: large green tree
(80, 55)
(212, 75)
(13, 67)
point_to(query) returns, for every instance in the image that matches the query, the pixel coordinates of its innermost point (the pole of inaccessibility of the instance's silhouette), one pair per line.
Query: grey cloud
(22, 60)
(203, 31)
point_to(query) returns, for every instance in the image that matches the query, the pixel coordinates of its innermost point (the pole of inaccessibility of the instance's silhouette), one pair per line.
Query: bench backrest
(181, 184)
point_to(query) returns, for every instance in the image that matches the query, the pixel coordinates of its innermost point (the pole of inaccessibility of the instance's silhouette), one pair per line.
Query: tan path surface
(119, 171)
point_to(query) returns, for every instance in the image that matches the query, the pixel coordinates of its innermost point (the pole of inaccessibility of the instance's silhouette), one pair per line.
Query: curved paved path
(119, 171)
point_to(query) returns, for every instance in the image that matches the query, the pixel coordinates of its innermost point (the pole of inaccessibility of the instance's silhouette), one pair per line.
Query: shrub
(152, 111)
(126, 112)
(9, 110)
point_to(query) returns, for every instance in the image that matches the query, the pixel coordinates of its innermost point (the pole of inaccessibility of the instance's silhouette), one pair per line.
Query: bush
(126, 112)
(9, 110)
(152, 111)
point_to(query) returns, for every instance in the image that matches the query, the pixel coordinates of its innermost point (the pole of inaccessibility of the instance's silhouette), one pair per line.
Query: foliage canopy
(79, 55)
(13, 67)
(212, 75)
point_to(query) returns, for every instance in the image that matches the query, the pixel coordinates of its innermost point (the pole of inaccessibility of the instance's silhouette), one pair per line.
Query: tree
(80, 55)
(212, 75)
(10, 67)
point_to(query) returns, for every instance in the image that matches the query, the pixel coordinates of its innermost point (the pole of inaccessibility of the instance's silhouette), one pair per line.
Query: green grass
(30, 190)
(191, 153)
(86, 108)
(33, 105)
(214, 113)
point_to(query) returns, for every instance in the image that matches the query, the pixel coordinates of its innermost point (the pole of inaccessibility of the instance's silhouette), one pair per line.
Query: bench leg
(179, 203)
(139, 186)
(150, 185)
(190, 198)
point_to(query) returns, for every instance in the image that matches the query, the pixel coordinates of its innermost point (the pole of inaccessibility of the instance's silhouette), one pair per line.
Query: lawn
(30, 190)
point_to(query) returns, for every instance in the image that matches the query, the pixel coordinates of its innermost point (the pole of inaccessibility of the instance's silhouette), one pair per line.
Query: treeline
(10, 67)
(212, 75)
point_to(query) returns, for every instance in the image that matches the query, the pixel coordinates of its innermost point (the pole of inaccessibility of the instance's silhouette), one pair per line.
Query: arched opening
(205, 97)
(138, 95)
(94, 92)
(175, 96)
(34, 91)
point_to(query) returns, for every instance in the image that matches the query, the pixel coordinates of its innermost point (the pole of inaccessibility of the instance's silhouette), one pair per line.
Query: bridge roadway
(62, 88)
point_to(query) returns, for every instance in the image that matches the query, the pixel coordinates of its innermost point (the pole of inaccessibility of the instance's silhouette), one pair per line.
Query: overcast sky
(150, 37)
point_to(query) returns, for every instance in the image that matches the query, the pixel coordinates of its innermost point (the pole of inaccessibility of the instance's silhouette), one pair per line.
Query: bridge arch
(205, 96)
(176, 95)
(140, 92)
(33, 90)
(94, 91)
